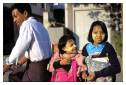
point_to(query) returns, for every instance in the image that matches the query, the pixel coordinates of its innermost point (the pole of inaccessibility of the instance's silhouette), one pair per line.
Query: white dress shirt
(33, 39)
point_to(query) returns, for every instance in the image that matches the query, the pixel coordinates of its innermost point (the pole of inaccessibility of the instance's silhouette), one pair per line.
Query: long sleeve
(57, 65)
(114, 67)
(22, 44)
(33, 38)
(84, 51)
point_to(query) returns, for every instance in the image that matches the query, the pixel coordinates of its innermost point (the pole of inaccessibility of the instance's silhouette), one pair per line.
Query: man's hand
(22, 60)
(6, 68)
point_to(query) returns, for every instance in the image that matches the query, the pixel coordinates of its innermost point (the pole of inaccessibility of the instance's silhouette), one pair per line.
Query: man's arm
(21, 61)
(22, 43)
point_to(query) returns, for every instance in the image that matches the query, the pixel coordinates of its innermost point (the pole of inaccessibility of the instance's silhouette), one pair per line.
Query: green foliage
(116, 39)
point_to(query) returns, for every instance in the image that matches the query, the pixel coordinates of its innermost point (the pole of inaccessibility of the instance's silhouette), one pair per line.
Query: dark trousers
(37, 72)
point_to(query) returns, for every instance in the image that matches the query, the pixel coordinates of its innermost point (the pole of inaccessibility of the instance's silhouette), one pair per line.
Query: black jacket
(114, 68)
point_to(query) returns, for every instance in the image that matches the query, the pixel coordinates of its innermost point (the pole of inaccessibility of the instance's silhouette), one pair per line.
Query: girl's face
(70, 47)
(97, 34)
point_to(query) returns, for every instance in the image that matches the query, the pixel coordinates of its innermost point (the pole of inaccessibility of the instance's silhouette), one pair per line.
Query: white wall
(55, 33)
(82, 23)
(78, 19)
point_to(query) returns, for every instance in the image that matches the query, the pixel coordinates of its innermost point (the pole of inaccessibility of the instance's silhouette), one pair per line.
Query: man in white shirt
(33, 43)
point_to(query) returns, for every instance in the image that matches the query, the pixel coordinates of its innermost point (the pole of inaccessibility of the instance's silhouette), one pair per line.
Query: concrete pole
(45, 17)
(69, 16)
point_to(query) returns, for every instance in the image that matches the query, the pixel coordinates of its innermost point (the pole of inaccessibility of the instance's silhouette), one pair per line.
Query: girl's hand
(64, 61)
(84, 75)
(80, 59)
(91, 77)
(83, 67)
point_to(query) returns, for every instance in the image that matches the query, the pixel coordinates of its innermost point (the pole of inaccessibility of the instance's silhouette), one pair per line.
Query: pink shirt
(61, 75)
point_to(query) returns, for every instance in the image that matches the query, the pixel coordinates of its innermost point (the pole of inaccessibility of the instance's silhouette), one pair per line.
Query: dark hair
(68, 32)
(103, 27)
(62, 42)
(21, 7)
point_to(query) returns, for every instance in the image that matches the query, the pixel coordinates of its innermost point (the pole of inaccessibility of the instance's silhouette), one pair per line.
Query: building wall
(55, 33)
(82, 18)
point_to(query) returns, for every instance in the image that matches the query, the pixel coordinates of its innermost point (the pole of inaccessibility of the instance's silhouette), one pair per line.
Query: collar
(91, 48)
(30, 17)
(91, 45)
